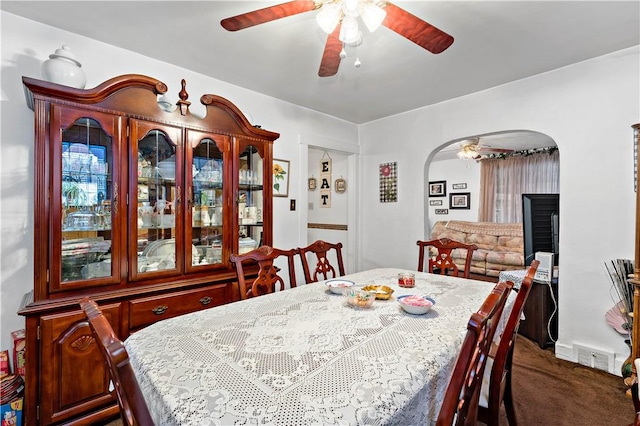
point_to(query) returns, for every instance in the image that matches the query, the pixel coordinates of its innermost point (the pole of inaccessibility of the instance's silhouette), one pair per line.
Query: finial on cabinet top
(183, 103)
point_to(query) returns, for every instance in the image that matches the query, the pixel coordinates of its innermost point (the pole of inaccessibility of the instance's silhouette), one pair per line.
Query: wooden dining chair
(443, 262)
(460, 405)
(267, 278)
(133, 408)
(323, 268)
(496, 386)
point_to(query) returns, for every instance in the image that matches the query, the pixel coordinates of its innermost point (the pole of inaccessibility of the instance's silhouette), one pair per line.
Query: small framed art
(280, 178)
(459, 186)
(459, 200)
(442, 211)
(438, 188)
(435, 202)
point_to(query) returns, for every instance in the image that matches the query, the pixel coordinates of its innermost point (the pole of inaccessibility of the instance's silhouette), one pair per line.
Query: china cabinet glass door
(250, 198)
(86, 181)
(156, 245)
(207, 194)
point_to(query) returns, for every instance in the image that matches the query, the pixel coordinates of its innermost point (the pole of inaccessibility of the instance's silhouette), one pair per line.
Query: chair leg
(508, 401)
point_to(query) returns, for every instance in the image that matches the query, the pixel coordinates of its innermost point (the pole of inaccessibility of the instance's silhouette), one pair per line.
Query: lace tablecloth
(303, 357)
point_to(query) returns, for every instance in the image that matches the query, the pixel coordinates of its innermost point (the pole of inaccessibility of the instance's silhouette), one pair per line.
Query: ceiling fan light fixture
(349, 32)
(468, 151)
(372, 16)
(329, 16)
(467, 154)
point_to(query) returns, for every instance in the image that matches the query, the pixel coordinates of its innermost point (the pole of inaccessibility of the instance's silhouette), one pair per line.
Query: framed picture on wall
(459, 186)
(280, 178)
(442, 211)
(459, 200)
(435, 202)
(438, 188)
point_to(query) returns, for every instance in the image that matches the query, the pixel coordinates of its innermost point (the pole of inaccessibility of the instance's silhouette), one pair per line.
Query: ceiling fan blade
(415, 29)
(267, 14)
(331, 55)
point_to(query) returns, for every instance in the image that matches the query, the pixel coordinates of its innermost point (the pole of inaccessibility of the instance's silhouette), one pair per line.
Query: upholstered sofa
(500, 245)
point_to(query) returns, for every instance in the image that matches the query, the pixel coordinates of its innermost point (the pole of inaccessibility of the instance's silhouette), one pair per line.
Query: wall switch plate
(292, 205)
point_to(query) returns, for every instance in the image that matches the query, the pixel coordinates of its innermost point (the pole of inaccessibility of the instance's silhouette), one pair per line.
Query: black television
(540, 225)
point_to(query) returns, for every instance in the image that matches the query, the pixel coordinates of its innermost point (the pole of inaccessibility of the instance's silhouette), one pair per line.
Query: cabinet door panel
(74, 378)
(208, 208)
(86, 208)
(253, 177)
(156, 244)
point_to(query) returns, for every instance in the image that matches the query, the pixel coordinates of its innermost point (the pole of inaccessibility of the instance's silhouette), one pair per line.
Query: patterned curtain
(504, 180)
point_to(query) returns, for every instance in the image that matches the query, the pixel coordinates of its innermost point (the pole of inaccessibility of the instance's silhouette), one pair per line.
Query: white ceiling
(495, 42)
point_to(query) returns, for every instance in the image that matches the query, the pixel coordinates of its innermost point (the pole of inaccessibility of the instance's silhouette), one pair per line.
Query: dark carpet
(552, 392)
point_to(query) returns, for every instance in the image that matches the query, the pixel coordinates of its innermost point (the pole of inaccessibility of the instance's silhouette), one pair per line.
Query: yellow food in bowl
(382, 292)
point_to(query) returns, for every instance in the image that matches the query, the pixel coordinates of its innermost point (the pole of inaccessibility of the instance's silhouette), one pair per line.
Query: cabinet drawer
(151, 309)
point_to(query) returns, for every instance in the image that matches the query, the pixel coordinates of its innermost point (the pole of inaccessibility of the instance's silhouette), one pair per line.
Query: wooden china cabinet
(139, 205)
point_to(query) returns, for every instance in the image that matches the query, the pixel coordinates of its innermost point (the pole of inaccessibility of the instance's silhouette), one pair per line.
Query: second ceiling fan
(339, 19)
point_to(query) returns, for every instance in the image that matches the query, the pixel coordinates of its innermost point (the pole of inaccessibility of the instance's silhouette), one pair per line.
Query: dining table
(303, 356)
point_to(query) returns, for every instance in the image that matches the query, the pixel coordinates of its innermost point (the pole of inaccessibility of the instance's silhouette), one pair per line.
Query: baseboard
(571, 353)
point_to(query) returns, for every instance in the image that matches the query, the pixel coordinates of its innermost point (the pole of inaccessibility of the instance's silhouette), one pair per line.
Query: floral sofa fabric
(500, 245)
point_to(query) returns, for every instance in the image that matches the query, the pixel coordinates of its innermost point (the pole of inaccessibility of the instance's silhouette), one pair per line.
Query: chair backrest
(443, 262)
(323, 268)
(132, 404)
(267, 277)
(460, 405)
(499, 380)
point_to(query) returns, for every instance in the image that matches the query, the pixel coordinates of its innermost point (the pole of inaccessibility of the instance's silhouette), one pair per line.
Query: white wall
(25, 44)
(588, 109)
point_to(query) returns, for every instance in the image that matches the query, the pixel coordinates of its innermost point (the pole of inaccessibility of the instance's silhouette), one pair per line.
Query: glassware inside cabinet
(156, 211)
(87, 190)
(250, 199)
(207, 195)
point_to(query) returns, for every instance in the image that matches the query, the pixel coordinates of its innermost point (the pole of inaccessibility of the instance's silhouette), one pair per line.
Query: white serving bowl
(337, 286)
(167, 168)
(418, 308)
(359, 298)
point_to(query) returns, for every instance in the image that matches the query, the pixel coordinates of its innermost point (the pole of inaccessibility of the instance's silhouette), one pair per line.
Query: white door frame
(353, 249)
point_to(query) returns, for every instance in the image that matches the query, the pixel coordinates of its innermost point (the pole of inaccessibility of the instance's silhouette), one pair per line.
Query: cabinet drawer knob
(205, 300)
(159, 310)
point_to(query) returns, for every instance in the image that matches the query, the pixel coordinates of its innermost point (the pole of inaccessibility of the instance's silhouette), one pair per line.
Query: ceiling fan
(473, 149)
(342, 16)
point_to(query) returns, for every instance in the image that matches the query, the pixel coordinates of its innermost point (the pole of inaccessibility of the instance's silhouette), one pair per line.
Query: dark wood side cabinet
(138, 204)
(540, 322)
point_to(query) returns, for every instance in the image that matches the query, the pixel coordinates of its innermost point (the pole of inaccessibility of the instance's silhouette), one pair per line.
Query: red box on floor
(19, 343)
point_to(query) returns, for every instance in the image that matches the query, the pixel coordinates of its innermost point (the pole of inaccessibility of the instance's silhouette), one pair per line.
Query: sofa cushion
(487, 228)
(505, 258)
(509, 243)
(479, 255)
(482, 241)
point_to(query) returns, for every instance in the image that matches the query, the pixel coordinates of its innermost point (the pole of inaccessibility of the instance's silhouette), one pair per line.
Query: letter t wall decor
(325, 181)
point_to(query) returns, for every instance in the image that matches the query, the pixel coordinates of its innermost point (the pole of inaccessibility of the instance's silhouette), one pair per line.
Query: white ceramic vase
(62, 67)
